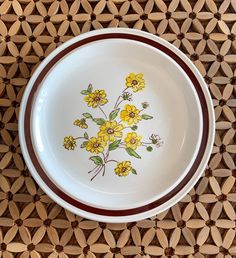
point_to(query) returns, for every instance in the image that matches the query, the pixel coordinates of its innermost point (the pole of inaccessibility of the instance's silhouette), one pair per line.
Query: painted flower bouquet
(116, 130)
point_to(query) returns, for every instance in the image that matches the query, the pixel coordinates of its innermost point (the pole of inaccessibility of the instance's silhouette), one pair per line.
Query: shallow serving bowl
(116, 125)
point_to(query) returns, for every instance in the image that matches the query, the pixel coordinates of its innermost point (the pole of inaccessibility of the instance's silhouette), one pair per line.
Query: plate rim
(151, 198)
(186, 187)
(59, 189)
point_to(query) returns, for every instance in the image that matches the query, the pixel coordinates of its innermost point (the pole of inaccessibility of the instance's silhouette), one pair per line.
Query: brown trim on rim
(126, 212)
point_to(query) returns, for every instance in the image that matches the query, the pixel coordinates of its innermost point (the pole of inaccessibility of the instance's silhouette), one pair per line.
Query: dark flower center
(74, 224)
(86, 249)
(110, 131)
(134, 82)
(132, 114)
(47, 222)
(19, 222)
(3, 246)
(36, 198)
(132, 141)
(31, 247)
(123, 169)
(96, 145)
(21, 18)
(12, 149)
(59, 248)
(169, 251)
(97, 99)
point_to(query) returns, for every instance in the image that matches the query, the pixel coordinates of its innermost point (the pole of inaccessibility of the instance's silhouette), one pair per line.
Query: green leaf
(96, 159)
(114, 145)
(114, 114)
(84, 92)
(149, 148)
(146, 117)
(133, 153)
(86, 135)
(99, 121)
(90, 88)
(83, 144)
(133, 171)
(87, 115)
(134, 127)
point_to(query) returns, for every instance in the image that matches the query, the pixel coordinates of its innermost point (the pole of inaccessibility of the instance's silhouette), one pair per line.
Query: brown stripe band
(76, 203)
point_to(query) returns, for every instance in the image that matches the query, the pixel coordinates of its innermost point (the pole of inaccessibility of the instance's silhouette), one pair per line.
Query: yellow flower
(95, 145)
(69, 142)
(96, 98)
(81, 123)
(123, 168)
(110, 130)
(132, 140)
(130, 114)
(135, 81)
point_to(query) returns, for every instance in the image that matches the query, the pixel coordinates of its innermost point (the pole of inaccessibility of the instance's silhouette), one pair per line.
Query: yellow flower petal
(113, 124)
(128, 107)
(139, 75)
(132, 75)
(118, 134)
(119, 127)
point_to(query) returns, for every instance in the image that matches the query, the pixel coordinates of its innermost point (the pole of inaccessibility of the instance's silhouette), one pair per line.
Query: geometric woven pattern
(203, 223)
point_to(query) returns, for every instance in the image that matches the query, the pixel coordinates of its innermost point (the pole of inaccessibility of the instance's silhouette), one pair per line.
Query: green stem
(112, 160)
(104, 169)
(79, 138)
(104, 157)
(121, 147)
(94, 169)
(116, 102)
(125, 89)
(107, 155)
(99, 170)
(119, 103)
(147, 143)
(103, 112)
(127, 127)
(119, 98)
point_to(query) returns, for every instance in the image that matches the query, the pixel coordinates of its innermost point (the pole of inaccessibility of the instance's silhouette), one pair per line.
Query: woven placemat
(203, 223)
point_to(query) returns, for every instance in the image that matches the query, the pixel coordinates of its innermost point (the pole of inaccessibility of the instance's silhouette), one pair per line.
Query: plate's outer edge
(160, 208)
(83, 204)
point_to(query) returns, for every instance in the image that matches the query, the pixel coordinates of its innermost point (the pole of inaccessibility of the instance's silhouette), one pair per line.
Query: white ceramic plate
(116, 125)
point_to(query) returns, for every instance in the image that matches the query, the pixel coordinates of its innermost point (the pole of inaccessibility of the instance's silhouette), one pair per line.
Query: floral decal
(116, 130)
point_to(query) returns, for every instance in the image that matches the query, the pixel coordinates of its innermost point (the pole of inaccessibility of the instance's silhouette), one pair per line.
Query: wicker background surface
(203, 223)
